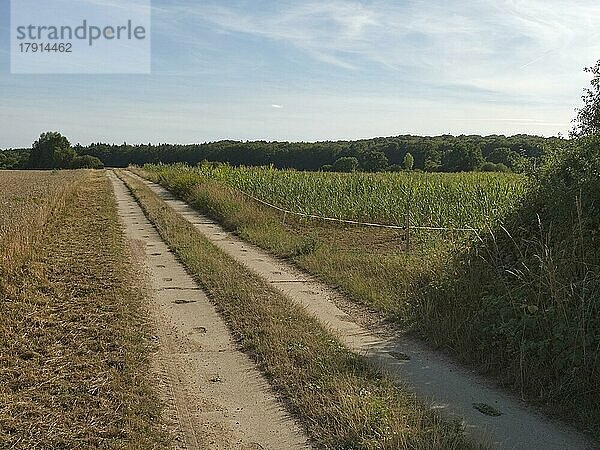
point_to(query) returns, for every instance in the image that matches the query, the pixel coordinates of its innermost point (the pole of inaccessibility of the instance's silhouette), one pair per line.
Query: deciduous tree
(587, 122)
(346, 164)
(51, 151)
(408, 162)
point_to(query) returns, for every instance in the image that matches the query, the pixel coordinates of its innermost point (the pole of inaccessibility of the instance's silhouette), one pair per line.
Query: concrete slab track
(218, 397)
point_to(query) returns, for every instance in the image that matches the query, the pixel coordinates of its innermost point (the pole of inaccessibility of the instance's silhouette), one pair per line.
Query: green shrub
(86, 162)
(525, 302)
(346, 164)
(492, 167)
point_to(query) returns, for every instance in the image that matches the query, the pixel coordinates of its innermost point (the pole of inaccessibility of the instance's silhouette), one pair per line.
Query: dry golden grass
(74, 342)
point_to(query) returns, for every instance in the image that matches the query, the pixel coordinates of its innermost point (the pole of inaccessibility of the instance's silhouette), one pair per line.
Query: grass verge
(74, 339)
(341, 399)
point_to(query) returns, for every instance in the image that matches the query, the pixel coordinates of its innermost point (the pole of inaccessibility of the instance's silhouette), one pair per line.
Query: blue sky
(312, 70)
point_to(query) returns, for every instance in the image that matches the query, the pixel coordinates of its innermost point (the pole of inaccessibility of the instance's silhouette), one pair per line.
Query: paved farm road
(216, 397)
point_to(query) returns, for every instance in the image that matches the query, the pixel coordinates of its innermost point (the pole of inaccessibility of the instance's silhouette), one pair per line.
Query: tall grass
(433, 199)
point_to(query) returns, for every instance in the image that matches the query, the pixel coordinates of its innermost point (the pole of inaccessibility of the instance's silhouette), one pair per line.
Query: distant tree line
(435, 154)
(441, 153)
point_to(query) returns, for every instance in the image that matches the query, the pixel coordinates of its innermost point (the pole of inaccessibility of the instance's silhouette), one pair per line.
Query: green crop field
(433, 199)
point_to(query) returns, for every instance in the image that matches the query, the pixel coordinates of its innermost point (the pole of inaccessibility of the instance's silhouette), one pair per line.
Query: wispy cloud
(277, 106)
(473, 42)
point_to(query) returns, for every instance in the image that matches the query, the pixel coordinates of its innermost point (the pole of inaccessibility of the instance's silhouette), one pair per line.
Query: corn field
(429, 199)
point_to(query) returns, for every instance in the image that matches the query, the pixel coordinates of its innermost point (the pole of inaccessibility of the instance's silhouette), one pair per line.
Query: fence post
(407, 217)
(407, 227)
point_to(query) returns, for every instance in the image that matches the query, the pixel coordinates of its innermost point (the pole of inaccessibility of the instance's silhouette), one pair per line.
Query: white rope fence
(354, 222)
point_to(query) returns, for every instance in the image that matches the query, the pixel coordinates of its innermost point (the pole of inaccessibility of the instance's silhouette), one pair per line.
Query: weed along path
(490, 415)
(215, 396)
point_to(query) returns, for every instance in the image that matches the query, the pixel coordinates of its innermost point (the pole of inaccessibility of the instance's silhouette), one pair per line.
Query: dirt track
(489, 414)
(216, 398)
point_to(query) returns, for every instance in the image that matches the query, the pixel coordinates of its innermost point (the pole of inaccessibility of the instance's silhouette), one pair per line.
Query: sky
(314, 70)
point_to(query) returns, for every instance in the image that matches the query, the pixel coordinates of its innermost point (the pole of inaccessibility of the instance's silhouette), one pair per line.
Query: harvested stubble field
(73, 335)
(28, 201)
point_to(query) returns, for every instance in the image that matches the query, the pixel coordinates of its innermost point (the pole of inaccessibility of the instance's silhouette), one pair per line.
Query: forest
(446, 153)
